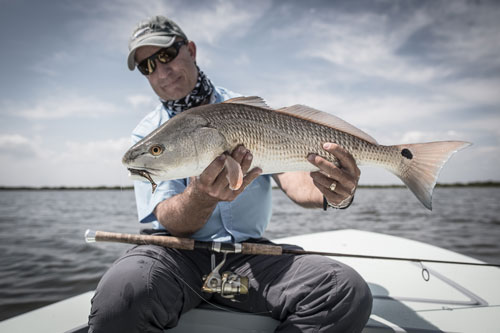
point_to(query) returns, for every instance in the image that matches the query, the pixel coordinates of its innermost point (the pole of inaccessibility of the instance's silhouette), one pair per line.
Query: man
(150, 287)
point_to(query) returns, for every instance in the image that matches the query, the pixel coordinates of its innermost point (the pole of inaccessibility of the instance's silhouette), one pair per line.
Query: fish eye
(156, 150)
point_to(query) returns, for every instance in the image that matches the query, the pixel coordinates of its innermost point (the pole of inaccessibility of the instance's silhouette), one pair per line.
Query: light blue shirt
(245, 217)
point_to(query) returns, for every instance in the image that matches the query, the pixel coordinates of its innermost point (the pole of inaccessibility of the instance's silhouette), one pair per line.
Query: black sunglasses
(165, 55)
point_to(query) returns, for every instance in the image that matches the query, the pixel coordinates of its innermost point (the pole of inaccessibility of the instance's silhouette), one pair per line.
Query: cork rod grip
(269, 250)
(166, 241)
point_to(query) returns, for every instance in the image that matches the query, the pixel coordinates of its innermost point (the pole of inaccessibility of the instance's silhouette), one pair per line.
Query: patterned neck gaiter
(202, 90)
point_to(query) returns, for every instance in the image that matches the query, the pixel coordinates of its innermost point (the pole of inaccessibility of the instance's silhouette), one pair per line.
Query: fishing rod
(243, 248)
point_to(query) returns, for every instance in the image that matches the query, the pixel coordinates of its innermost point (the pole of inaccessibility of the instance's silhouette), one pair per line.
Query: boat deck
(456, 298)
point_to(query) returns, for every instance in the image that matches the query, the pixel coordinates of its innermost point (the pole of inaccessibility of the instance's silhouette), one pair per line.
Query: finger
(239, 153)
(222, 191)
(250, 177)
(330, 196)
(348, 166)
(234, 173)
(212, 171)
(228, 173)
(222, 181)
(342, 188)
(345, 159)
(326, 167)
(329, 172)
(321, 179)
(246, 162)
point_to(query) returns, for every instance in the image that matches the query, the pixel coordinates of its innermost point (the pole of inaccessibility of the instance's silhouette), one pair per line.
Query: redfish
(280, 140)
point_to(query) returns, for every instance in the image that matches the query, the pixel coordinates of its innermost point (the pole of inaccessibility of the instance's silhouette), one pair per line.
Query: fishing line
(460, 308)
(200, 296)
(293, 277)
(416, 260)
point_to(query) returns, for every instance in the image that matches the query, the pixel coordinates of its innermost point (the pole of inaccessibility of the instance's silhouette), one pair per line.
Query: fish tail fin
(421, 163)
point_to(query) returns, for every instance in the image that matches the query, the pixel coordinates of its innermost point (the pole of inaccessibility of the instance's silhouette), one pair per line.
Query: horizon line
(131, 187)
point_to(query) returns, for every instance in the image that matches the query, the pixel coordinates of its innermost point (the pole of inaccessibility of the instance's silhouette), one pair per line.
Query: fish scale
(272, 136)
(280, 141)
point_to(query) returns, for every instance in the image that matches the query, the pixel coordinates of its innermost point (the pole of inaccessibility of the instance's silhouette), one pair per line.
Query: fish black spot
(407, 153)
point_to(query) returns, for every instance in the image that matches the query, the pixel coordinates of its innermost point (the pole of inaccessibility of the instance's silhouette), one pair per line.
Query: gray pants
(149, 288)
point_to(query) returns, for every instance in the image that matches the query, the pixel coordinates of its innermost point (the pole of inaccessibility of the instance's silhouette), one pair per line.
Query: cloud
(484, 125)
(432, 41)
(52, 63)
(466, 33)
(108, 151)
(242, 60)
(13, 140)
(203, 22)
(142, 101)
(62, 105)
(474, 91)
(222, 20)
(362, 109)
(91, 163)
(73, 163)
(464, 165)
(17, 146)
(421, 136)
(366, 44)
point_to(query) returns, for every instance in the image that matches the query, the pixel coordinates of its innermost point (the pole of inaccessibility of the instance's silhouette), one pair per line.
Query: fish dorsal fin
(326, 119)
(250, 100)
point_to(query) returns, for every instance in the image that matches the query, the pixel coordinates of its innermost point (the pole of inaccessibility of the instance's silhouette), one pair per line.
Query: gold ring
(333, 186)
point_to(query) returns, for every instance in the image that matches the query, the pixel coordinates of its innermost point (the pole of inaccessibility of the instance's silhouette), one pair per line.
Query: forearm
(184, 214)
(299, 187)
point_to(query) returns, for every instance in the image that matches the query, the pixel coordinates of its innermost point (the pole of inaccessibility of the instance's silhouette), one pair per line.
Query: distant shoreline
(471, 184)
(122, 188)
(65, 188)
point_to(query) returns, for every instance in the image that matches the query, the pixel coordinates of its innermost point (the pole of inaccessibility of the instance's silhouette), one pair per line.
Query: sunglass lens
(143, 67)
(146, 67)
(167, 55)
(151, 66)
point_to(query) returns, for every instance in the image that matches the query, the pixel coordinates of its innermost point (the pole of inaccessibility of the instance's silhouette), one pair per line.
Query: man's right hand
(213, 180)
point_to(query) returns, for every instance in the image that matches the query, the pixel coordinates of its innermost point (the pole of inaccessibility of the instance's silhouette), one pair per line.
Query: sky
(402, 71)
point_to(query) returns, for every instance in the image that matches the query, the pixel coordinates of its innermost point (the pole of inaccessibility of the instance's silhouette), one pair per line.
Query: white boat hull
(456, 298)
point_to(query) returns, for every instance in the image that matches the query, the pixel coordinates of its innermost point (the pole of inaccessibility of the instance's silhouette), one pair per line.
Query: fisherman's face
(175, 79)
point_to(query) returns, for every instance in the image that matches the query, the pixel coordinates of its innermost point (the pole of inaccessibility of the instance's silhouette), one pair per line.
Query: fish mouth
(146, 174)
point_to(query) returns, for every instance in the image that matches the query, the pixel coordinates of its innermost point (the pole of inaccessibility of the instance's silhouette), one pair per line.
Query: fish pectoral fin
(234, 173)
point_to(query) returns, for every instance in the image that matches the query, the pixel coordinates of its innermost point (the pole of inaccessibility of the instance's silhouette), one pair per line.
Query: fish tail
(421, 163)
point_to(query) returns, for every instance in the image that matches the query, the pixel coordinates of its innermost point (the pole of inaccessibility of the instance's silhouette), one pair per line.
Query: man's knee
(341, 282)
(362, 297)
(120, 297)
(325, 296)
(353, 300)
(127, 298)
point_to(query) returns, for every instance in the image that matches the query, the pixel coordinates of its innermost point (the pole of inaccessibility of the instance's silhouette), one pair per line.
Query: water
(45, 259)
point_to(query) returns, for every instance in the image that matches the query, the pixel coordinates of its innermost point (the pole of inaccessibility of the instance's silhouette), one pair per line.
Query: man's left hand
(337, 184)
